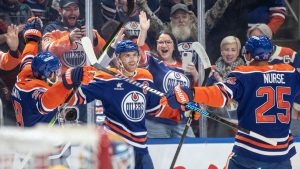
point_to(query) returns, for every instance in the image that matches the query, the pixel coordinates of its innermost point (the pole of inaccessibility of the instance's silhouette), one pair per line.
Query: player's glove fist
(33, 29)
(88, 74)
(193, 114)
(179, 95)
(79, 75)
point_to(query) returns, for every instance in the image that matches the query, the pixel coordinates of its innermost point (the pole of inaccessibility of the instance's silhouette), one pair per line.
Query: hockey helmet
(126, 46)
(44, 64)
(259, 47)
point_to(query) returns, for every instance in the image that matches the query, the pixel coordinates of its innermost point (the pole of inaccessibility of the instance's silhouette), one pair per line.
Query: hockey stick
(230, 124)
(186, 128)
(87, 46)
(202, 54)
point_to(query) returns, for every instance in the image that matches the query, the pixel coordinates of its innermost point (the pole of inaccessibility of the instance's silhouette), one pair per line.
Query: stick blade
(202, 54)
(89, 50)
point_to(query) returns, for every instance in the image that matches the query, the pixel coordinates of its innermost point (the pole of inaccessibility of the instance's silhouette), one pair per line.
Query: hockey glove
(178, 96)
(33, 29)
(193, 114)
(79, 75)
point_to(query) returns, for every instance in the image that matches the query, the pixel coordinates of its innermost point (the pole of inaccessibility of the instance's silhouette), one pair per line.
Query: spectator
(63, 37)
(165, 8)
(167, 68)
(183, 23)
(230, 51)
(231, 21)
(270, 12)
(183, 26)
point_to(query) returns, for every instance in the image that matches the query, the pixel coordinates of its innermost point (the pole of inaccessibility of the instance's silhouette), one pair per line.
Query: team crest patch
(75, 57)
(133, 106)
(173, 78)
(186, 46)
(231, 80)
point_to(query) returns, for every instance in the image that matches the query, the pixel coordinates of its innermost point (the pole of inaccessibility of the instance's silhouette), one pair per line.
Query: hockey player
(37, 94)
(265, 94)
(285, 55)
(125, 105)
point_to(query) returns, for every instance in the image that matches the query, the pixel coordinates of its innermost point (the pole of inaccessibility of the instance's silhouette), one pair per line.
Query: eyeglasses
(168, 42)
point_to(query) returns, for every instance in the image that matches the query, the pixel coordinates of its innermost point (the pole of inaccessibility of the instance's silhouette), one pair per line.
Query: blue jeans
(161, 130)
(143, 161)
(240, 162)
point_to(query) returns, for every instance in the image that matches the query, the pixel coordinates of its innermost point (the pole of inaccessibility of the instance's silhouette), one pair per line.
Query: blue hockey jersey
(265, 95)
(165, 78)
(125, 105)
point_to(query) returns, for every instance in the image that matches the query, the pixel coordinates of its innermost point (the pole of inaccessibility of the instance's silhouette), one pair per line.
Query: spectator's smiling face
(70, 14)
(229, 52)
(165, 46)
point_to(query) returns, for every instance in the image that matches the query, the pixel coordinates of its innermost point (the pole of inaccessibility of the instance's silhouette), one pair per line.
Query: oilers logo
(187, 47)
(173, 78)
(133, 106)
(75, 57)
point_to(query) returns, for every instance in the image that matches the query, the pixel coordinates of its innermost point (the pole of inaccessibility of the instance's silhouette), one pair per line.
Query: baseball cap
(265, 29)
(177, 7)
(65, 3)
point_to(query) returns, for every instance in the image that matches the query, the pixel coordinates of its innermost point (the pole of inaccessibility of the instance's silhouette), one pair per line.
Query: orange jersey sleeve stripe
(211, 96)
(125, 133)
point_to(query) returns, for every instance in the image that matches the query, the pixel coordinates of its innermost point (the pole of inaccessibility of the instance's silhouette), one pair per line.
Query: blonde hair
(230, 40)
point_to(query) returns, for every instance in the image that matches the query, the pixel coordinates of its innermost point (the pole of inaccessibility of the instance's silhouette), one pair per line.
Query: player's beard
(181, 33)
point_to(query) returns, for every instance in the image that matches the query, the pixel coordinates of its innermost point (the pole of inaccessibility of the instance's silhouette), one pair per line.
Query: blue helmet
(44, 64)
(126, 46)
(259, 47)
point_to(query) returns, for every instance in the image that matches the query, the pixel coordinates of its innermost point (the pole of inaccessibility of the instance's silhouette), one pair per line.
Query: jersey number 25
(273, 98)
